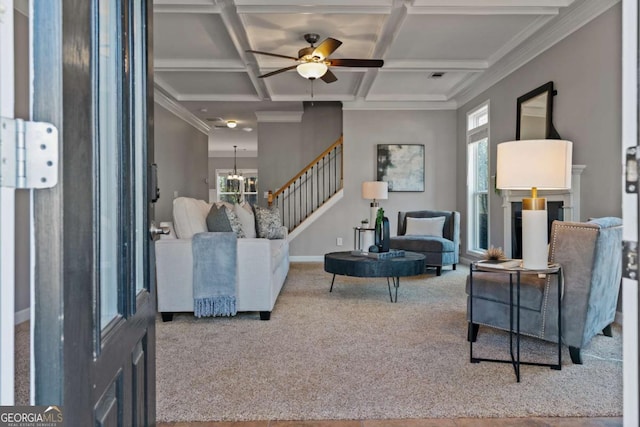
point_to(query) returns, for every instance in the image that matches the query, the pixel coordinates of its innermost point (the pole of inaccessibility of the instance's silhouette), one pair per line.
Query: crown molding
(279, 116)
(565, 24)
(185, 6)
(171, 105)
(21, 6)
(361, 104)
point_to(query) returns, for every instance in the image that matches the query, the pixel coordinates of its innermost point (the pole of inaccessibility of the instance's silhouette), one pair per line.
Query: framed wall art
(401, 166)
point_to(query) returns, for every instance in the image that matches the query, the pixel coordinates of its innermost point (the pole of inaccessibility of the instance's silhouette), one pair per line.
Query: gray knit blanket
(214, 274)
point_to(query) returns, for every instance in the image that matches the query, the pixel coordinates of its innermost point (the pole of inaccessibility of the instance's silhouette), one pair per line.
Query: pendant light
(235, 175)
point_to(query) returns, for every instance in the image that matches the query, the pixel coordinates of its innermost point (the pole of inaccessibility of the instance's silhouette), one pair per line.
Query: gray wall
(363, 130)
(321, 127)
(285, 148)
(181, 153)
(585, 68)
(21, 70)
(279, 154)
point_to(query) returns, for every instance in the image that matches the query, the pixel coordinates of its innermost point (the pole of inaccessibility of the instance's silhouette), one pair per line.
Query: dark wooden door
(95, 302)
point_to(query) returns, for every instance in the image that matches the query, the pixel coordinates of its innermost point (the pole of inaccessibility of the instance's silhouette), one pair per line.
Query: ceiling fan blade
(374, 63)
(327, 47)
(272, 54)
(281, 70)
(329, 77)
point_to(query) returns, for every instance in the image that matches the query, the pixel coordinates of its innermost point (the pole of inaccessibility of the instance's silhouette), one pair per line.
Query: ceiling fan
(314, 62)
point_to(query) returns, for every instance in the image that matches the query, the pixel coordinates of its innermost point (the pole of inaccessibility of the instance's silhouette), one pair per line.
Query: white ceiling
(201, 65)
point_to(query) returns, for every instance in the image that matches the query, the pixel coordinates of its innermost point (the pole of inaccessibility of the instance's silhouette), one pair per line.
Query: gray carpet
(352, 354)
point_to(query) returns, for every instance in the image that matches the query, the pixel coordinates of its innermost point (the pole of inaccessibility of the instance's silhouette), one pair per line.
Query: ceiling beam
(238, 36)
(387, 35)
(318, 6)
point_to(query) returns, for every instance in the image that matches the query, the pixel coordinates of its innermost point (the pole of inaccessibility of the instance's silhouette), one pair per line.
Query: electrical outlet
(339, 241)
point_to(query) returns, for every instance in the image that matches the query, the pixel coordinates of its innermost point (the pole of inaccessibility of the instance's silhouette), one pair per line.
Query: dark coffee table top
(345, 264)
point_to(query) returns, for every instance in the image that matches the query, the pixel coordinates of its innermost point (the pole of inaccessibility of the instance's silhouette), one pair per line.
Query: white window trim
(227, 171)
(473, 135)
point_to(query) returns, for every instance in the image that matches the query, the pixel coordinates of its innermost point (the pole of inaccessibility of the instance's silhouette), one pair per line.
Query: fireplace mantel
(570, 199)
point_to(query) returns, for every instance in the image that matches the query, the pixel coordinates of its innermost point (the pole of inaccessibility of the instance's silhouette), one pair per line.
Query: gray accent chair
(438, 251)
(590, 254)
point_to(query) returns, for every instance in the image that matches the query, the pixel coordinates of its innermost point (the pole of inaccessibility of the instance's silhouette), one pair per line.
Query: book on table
(393, 253)
(501, 263)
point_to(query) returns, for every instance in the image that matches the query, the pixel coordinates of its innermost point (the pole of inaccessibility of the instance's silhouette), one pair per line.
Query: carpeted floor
(351, 354)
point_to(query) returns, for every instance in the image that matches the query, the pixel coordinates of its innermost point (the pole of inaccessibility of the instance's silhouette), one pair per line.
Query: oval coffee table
(346, 264)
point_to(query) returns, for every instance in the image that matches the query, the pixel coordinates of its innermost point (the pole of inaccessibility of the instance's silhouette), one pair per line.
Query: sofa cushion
(425, 226)
(223, 220)
(422, 244)
(269, 223)
(247, 219)
(189, 216)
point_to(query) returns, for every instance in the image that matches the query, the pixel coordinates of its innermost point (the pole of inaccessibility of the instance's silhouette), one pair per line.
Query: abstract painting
(401, 166)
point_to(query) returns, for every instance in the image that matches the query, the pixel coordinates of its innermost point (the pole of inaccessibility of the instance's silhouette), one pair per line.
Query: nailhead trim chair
(590, 254)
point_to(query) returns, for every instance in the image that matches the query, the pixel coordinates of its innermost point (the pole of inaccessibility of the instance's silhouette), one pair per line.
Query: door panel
(107, 305)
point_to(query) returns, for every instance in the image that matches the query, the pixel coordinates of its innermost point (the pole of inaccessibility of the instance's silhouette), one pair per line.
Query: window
(478, 179)
(235, 191)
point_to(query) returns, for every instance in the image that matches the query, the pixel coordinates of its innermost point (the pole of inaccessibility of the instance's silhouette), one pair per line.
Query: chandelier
(235, 175)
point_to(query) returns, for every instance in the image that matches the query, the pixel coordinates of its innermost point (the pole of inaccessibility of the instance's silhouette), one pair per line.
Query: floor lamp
(374, 190)
(540, 164)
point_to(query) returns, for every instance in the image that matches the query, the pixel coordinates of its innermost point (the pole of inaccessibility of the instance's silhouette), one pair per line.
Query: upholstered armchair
(435, 234)
(590, 255)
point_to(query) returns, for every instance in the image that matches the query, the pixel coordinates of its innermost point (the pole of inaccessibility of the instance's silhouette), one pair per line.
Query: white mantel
(570, 200)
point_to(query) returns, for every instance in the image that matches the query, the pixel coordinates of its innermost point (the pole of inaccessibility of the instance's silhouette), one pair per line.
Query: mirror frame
(550, 131)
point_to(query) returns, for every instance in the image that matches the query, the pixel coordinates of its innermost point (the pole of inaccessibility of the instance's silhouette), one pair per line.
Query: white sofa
(262, 264)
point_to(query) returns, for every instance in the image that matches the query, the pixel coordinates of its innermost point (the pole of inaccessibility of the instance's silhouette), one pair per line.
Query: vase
(382, 235)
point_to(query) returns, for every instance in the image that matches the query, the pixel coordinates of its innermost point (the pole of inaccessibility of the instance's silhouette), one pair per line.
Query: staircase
(311, 192)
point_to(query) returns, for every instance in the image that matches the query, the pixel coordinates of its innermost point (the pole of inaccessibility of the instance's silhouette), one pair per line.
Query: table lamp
(374, 190)
(539, 164)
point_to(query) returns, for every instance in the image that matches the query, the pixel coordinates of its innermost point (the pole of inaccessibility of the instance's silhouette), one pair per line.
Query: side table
(517, 272)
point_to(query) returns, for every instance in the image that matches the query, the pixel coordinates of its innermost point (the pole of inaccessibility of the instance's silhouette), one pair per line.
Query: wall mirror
(535, 114)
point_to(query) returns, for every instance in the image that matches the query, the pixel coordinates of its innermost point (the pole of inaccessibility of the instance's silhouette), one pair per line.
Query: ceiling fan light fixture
(312, 70)
(231, 124)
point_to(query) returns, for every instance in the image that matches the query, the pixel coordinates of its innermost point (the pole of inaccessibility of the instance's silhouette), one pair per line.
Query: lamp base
(535, 254)
(373, 213)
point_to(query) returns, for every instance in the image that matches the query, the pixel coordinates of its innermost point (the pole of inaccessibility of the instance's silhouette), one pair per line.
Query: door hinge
(28, 154)
(631, 171)
(630, 260)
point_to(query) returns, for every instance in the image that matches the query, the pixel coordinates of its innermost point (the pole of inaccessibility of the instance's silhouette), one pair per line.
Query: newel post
(270, 198)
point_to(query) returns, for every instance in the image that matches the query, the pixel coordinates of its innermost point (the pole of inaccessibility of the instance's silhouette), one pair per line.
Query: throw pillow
(268, 223)
(223, 220)
(217, 220)
(247, 220)
(425, 226)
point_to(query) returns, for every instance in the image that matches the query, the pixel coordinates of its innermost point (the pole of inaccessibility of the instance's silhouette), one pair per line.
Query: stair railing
(310, 188)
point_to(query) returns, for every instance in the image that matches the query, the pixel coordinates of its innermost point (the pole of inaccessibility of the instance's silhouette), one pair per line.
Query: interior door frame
(7, 217)
(630, 207)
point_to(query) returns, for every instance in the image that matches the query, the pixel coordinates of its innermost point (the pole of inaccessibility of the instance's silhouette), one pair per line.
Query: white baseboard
(22, 316)
(303, 258)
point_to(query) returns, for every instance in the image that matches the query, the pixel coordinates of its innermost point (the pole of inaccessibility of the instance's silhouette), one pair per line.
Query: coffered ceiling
(201, 64)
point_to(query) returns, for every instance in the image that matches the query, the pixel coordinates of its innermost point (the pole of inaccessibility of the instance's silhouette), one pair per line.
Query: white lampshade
(541, 163)
(375, 190)
(231, 124)
(537, 164)
(312, 70)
